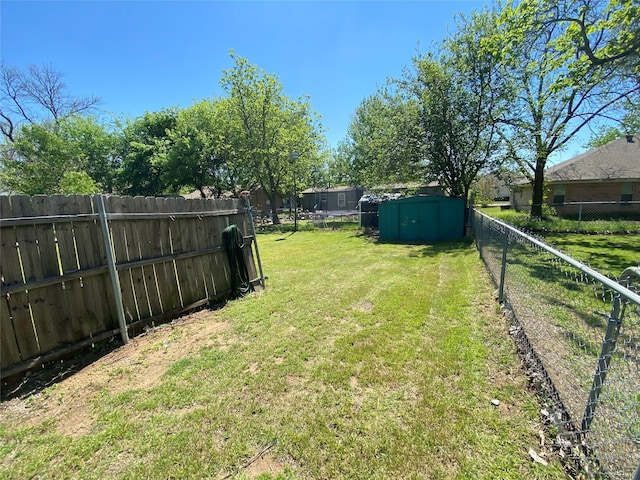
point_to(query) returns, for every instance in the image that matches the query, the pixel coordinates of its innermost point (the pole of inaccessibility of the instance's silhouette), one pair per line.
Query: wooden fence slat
(146, 251)
(93, 254)
(98, 314)
(184, 266)
(51, 312)
(207, 261)
(132, 228)
(77, 328)
(221, 271)
(18, 339)
(171, 295)
(243, 223)
(119, 241)
(194, 243)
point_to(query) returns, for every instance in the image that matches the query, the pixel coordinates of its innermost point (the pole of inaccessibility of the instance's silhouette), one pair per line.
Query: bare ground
(139, 364)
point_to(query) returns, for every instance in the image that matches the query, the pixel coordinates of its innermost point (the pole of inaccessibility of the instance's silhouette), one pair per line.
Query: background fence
(576, 213)
(60, 290)
(580, 333)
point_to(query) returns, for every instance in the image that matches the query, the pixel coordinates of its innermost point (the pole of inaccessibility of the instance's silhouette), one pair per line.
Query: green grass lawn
(608, 253)
(522, 220)
(360, 360)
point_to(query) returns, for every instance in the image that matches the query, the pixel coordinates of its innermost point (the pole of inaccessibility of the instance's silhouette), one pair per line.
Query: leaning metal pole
(113, 272)
(245, 194)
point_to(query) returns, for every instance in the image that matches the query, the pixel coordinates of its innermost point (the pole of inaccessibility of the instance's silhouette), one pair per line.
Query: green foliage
(79, 183)
(460, 94)
(37, 161)
(265, 127)
(437, 121)
(143, 148)
(197, 157)
(96, 143)
(629, 125)
(48, 158)
(559, 90)
(381, 146)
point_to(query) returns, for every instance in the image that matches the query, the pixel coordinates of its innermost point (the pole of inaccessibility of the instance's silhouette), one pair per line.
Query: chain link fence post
(608, 346)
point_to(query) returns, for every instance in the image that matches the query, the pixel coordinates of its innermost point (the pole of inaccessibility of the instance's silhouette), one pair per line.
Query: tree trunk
(274, 209)
(537, 197)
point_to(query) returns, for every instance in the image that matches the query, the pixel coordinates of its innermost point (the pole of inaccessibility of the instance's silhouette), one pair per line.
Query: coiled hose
(234, 243)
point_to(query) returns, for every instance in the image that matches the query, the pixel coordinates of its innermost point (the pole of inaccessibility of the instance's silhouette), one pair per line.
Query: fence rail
(577, 214)
(580, 333)
(77, 269)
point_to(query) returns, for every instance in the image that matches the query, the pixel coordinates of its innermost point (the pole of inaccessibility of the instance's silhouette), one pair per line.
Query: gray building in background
(332, 199)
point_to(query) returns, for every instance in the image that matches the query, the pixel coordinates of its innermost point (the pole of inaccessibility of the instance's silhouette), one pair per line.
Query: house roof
(331, 189)
(617, 160)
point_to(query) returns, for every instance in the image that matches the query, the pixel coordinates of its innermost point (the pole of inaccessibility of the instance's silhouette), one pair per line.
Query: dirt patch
(138, 365)
(363, 306)
(265, 464)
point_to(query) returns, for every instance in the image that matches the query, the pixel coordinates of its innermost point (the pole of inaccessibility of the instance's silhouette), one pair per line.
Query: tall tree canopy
(380, 140)
(459, 94)
(267, 127)
(143, 148)
(436, 122)
(197, 157)
(559, 91)
(58, 157)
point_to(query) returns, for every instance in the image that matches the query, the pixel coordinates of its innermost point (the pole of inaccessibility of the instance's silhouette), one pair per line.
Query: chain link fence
(579, 333)
(574, 216)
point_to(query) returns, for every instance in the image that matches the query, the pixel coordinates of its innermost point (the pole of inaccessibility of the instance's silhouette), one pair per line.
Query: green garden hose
(234, 243)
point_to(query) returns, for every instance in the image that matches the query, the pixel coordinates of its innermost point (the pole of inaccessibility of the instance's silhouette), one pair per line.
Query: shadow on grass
(37, 379)
(434, 248)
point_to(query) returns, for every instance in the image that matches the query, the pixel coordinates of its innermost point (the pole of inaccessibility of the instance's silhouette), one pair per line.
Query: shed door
(419, 221)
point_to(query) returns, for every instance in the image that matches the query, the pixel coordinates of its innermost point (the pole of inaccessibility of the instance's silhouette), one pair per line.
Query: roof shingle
(617, 160)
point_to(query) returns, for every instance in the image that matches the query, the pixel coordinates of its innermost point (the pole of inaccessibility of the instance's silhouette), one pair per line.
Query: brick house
(607, 177)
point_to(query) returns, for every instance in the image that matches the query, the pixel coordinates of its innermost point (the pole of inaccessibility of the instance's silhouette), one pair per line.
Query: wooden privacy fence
(61, 257)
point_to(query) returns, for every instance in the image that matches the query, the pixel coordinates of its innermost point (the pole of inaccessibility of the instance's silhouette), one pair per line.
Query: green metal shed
(426, 219)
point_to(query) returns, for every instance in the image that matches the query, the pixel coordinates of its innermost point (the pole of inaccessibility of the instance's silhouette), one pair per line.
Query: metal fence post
(579, 217)
(503, 267)
(608, 346)
(245, 194)
(481, 233)
(113, 272)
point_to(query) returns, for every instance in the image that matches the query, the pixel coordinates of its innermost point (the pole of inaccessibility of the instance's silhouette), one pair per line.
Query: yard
(608, 246)
(360, 360)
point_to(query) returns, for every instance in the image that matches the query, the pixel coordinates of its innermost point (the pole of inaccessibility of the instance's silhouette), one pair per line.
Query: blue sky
(145, 56)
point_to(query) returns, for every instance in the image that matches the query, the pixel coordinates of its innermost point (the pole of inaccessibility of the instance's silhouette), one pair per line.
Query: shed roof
(617, 160)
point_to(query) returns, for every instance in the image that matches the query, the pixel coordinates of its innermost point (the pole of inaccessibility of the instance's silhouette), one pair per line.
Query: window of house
(558, 193)
(626, 192)
(342, 199)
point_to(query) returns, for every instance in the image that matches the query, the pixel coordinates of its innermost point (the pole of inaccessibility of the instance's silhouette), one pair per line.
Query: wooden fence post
(113, 273)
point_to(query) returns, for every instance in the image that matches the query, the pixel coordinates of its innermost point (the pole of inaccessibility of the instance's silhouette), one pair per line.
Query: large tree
(459, 92)
(37, 94)
(142, 150)
(266, 127)
(435, 123)
(198, 154)
(73, 155)
(381, 145)
(558, 90)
